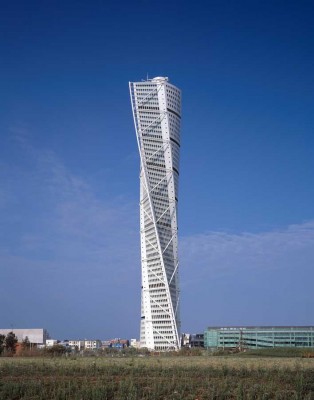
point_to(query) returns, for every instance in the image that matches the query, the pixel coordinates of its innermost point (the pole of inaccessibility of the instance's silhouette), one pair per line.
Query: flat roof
(263, 327)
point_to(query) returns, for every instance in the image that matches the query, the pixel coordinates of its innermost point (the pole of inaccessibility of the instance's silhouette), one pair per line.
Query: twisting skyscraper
(156, 108)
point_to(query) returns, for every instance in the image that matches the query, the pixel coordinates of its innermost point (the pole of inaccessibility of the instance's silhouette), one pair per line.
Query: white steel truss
(156, 106)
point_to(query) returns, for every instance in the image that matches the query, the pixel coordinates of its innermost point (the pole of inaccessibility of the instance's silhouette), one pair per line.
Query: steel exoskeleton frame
(160, 301)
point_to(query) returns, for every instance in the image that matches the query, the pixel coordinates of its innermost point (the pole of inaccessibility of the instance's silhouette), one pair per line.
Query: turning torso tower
(156, 108)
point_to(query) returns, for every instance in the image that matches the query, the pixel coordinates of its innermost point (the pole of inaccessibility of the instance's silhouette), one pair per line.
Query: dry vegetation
(164, 378)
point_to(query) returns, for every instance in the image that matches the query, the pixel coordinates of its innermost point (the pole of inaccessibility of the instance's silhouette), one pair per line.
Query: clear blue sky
(69, 187)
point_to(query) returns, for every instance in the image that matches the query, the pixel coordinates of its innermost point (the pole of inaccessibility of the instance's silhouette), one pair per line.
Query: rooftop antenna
(147, 76)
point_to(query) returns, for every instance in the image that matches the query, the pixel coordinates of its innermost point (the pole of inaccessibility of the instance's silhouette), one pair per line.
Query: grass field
(162, 378)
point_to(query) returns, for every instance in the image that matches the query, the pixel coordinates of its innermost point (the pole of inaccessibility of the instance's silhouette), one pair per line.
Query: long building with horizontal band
(156, 106)
(258, 337)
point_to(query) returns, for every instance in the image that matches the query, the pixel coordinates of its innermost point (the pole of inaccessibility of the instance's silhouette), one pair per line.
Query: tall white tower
(156, 108)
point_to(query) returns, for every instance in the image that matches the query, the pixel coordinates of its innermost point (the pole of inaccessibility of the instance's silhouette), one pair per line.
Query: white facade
(156, 108)
(35, 336)
(92, 344)
(51, 342)
(134, 343)
(77, 344)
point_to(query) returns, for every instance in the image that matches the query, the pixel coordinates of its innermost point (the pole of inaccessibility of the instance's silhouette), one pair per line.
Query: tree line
(8, 344)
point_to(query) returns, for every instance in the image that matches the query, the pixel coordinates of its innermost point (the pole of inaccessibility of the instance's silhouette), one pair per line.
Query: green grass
(158, 378)
(280, 352)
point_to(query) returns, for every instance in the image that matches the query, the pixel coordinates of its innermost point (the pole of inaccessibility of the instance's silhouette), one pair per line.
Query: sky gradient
(69, 164)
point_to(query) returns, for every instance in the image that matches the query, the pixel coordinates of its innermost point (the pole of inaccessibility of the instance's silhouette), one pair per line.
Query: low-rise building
(252, 337)
(35, 336)
(197, 340)
(192, 340)
(51, 342)
(105, 344)
(115, 343)
(92, 344)
(120, 343)
(65, 343)
(77, 344)
(134, 343)
(185, 340)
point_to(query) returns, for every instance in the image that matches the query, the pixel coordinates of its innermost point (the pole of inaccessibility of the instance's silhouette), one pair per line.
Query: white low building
(51, 342)
(35, 336)
(77, 344)
(134, 343)
(92, 344)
